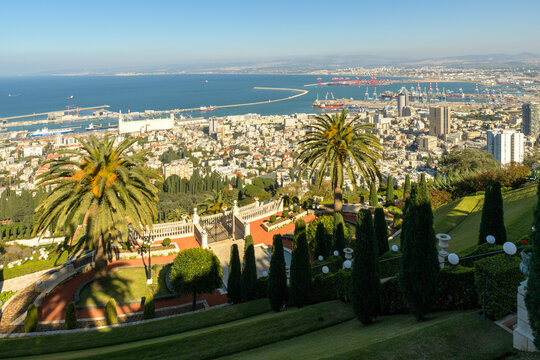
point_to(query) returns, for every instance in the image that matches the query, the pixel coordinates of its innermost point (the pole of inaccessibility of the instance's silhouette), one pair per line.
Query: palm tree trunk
(338, 199)
(100, 262)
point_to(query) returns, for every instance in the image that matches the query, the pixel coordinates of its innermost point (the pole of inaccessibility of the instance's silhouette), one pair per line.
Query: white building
(142, 126)
(505, 146)
(33, 151)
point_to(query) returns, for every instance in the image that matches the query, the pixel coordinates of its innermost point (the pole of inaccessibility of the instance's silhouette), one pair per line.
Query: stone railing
(210, 220)
(241, 228)
(262, 211)
(200, 235)
(174, 230)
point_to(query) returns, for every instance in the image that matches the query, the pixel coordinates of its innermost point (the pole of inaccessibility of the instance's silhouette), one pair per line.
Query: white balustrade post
(246, 229)
(256, 201)
(195, 216)
(443, 244)
(204, 239)
(235, 210)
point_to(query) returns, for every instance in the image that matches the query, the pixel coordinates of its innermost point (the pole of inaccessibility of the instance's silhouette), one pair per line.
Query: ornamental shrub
(389, 264)
(195, 271)
(31, 320)
(273, 219)
(485, 249)
(389, 190)
(392, 301)
(328, 222)
(331, 286)
(502, 273)
(407, 185)
(234, 282)
(278, 291)
(396, 224)
(322, 243)
(285, 214)
(300, 267)
(71, 316)
(166, 242)
(149, 307)
(492, 222)
(296, 208)
(249, 271)
(455, 289)
(532, 298)
(338, 236)
(373, 198)
(365, 271)
(381, 231)
(111, 317)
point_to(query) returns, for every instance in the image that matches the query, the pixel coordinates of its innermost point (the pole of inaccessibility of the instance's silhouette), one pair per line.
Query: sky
(39, 37)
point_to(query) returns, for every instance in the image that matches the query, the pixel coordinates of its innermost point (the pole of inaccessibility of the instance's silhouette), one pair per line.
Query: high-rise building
(505, 146)
(439, 121)
(531, 119)
(402, 101)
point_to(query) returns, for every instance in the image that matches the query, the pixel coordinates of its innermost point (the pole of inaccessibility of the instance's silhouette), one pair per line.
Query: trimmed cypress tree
(71, 316)
(300, 267)
(492, 222)
(532, 298)
(407, 185)
(111, 316)
(278, 291)
(423, 178)
(149, 307)
(249, 271)
(389, 190)
(338, 235)
(234, 282)
(381, 231)
(419, 264)
(373, 198)
(322, 247)
(31, 319)
(365, 272)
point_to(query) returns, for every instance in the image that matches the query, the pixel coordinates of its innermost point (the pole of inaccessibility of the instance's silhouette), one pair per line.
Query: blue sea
(165, 92)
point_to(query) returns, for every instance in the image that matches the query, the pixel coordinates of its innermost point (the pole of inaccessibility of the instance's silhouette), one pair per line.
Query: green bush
(502, 273)
(273, 219)
(35, 265)
(71, 316)
(389, 264)
(456, 290)
(261, 287)
(278, 292)
(392, 301)
(285, 213)
(234, 282)
(328, 222)
(149, 307)
(296, 208)
(166, 242)
(331, 286)
(31, 320)
(249, 271)
(300, 267)
(478, 252)
(111, 317)
(397, 221)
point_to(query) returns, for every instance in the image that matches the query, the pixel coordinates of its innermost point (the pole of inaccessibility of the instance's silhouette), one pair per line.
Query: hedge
(479, 252)
(389, 264)
(166, 242)
(111, 317)
(502, 273)
(149, 307)
(31, 320)
(331, 286)
(71, 316)
(456, 290)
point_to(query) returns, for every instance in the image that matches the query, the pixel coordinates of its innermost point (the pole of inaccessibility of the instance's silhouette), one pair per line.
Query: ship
(93, 127)
(14, 95)
(207, 108)
(47, 132)
(70, 97)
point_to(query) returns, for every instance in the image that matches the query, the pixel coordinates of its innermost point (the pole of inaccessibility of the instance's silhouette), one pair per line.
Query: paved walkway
(54, 305)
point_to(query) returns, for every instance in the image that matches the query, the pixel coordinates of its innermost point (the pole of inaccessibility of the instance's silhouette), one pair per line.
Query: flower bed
(283, 221)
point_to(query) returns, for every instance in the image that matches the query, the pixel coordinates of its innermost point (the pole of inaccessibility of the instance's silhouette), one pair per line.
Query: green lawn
(447, 336)
(122, 335)
(33, 266)
(461, 218)
(127, 284)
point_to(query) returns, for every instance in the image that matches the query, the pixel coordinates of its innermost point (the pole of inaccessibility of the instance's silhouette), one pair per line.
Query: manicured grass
(127, 284)
(461, 218)
(33, 266)
(446, 336)
(125, 334)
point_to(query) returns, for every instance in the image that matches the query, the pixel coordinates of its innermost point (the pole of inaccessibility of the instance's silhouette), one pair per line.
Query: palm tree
(213, 203)
(101, 189)
(335, 146)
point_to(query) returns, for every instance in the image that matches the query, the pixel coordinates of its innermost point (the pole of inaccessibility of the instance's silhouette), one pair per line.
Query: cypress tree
(338, 235)
(322, 247)
(300, 267)
(532, 297)
(492, 222)
(234, 286)
(389, 190)
(422, 178)
(249, 271)
(381, 231)
(407, 185)
(278, 291)
(365, 272)
(419, 264)
(71, 316)
(373, 198)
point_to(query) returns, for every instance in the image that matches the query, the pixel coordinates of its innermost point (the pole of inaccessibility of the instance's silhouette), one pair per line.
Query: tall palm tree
(99, 191)
(334, 146)
(213, 203)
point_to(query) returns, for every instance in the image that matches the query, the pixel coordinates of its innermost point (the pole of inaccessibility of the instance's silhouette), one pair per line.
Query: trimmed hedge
(477, 251)
(149, 307)
(331, 286)
(392, 301)
(31, 320)
(456, 290)
(71, 316)
(111, 317)
(390, 265)
(166, 242)
(502, 273)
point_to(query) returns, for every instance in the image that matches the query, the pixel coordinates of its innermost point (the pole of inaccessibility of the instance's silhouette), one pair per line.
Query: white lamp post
(490, 239)
(395, 248)
(509, 248)
(453, 259)
(325, 269)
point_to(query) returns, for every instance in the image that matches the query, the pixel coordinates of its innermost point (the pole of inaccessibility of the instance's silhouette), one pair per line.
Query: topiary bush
(331, 286)
(389, 264)
(502, 273)
(111, 316)
(149, 307)
(273, 219)
(71, 316)
(328, 222)
(479, 252)
(296, 208)
(285, 214)
(166, 242)
(392, 301)
(455, 289)
(31, 320)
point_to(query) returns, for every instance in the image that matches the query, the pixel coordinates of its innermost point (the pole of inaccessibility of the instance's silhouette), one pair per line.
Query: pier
(46, 121)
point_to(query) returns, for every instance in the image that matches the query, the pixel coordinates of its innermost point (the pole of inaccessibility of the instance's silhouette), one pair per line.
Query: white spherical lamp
(490, 239)
(325, 269)
(320, 258)
(264, 274)
(453, 259)
(395, 248)
(336, 253)
(347, 264)
(509, 248)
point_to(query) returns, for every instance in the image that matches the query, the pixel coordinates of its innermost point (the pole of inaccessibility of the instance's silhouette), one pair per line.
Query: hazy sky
(72, 36)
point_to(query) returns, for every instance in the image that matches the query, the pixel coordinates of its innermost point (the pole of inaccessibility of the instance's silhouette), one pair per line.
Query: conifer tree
(278, 291)
(300, 267)
(366, 283)
(419, 264)
(532, 297)
(381, 231)
(407, 185)
(234, 282)
(322, 246)
(373, 198)
(492, 222)
(338, 235)
(71, 316)
(389, 190)
(249, 271)
(422, 178)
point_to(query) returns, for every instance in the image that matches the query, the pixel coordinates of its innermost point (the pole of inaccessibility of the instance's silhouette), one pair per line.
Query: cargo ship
(47, 132)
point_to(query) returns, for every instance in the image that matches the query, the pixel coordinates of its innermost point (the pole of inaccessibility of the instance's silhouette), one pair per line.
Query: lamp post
(150, 239)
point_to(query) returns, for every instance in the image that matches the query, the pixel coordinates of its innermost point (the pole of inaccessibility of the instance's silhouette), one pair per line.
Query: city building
(402, 101)
(505, 146)
(183, 168)
(143, 126)
(531, 119)
(426, 142)
(439, 121)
